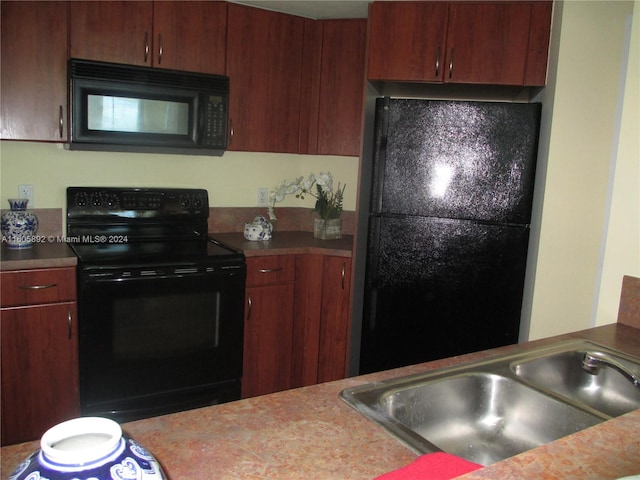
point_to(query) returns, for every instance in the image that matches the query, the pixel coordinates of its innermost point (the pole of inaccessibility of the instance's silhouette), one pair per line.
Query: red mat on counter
(432, 466)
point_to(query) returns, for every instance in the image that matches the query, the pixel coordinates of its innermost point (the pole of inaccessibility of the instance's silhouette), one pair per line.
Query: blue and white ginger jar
(259, 229)
(88, 448)
(19, 225)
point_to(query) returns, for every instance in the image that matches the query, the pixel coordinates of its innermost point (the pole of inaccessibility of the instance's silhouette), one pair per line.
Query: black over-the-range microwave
(116, 107)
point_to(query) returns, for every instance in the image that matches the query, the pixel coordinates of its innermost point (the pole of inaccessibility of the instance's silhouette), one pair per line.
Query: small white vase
(327, 229)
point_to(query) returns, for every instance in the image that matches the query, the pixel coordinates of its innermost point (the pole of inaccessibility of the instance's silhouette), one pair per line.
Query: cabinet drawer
(268, 270)
(32, 287)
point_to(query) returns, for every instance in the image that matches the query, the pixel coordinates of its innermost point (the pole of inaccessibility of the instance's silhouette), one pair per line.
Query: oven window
(171, 325)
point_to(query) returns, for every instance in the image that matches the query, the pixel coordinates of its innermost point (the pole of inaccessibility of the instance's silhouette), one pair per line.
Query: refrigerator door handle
(380, 160)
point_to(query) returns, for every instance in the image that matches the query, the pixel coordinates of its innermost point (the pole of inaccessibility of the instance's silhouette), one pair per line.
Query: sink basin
(482, 417)
(607, 391)
(492, 409)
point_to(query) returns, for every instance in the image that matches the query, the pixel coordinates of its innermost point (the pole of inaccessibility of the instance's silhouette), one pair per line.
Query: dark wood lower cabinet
(297, 325)
(39, 369)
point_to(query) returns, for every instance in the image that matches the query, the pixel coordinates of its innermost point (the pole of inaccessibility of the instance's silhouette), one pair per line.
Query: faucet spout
(593, 361)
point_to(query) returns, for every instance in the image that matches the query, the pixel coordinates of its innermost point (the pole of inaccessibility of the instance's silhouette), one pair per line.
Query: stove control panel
(136, 202)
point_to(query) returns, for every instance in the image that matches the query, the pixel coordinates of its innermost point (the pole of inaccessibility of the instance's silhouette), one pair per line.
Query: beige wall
(232, 179)
(621, 246)
(584, 134)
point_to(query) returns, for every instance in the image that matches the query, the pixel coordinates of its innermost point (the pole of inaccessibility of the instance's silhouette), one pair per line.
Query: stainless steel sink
(605, 390)
(490, 410)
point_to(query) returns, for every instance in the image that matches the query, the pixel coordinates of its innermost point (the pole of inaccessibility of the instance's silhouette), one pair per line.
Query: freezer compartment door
(455, 159)
(437, 288)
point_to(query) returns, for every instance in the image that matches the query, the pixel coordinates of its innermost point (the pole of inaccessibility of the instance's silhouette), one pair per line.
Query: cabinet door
(333, 76)
(334, 323)
(539, 34)
(341, 87)
(267, 339)
(39, 369)
(487, 42)
(264, 64)
(112, 31)
(407, 41)
(34, 71)
(190, 36)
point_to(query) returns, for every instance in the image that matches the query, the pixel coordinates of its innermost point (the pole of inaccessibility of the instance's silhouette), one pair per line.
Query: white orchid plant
(328, 201)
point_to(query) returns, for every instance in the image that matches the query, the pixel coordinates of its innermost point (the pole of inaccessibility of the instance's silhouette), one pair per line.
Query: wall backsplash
(221, 220)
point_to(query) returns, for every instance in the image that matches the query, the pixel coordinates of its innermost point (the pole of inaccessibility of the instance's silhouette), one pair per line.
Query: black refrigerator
(451, 197)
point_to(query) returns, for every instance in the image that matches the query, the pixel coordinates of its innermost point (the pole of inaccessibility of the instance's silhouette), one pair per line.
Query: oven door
(156, 341)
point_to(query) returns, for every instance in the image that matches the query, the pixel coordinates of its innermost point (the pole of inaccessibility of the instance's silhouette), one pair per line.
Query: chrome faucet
(592, 362)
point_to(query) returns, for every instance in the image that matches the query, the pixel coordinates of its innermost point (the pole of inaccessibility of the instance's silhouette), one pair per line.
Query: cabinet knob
(70, 321)
(451, 64)
(160, 49)
(37, 287)
(146, 47)
(61, 122)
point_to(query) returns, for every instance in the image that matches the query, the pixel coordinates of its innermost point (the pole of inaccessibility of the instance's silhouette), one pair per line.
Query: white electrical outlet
(26, 191)
(262, 197)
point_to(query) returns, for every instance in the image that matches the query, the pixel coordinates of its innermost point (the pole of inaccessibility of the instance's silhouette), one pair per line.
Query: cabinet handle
(70, 320)
(438, 63)
(37, 287)
(451, 64)
(160, 49)
(250, 306)
(344, 267)
(231, 131)
(61, 121)
(146, 47)
(270, 270)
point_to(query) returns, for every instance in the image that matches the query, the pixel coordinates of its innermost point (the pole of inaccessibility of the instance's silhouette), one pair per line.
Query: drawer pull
(37, 287)
(270, 270)
(70, 320)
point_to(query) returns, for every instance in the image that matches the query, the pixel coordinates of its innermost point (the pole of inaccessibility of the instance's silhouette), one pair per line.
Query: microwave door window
(137, 115)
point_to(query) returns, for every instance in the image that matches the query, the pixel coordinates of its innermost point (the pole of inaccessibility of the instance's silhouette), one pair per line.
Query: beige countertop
(51, 253)
(309, 433)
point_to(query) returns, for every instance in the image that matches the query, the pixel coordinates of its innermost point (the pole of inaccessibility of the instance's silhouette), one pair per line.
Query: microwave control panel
(215, 121)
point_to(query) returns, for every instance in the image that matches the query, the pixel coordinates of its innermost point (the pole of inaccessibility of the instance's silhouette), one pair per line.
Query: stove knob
(185, 201)
(197, 201)
(113, 201)
(81, 199)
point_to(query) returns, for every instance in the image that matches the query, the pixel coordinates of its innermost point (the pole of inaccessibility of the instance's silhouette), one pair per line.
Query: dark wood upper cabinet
(340, 95)
(177, 35)
(498, 43)
(407, 41)
(33, 99)
(192, 35)
(264, 65)
(112, 31)
(487, 43)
